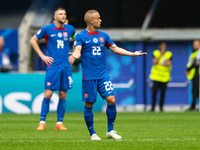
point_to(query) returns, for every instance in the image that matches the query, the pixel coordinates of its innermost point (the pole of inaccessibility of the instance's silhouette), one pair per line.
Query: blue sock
(111, 115)
(88, 115)
(45, 109)
(61, 110)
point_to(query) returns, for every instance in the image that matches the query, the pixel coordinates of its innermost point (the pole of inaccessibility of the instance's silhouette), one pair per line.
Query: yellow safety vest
(159, 72)
(191, 60)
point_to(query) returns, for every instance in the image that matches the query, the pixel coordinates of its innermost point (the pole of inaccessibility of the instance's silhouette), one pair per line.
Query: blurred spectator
(5, 63)
(160, 73)
(193, 73)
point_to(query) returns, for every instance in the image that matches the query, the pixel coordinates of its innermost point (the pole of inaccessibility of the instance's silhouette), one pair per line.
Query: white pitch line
(110, 140)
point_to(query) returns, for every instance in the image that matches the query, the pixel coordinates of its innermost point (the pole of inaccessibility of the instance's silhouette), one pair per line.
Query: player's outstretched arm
(124, 52)
(46, 59)
(75, 55)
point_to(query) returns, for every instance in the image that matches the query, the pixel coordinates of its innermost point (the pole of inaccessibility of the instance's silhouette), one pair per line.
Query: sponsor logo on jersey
(95, 40)
(101, 39)
(39, 31)
(59, 34)
(48, 83)
(87, 41)
(65, 39)
(52, 35)
(65, 34)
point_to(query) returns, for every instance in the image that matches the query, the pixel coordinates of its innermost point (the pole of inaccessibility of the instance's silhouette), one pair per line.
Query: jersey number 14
(60, 44)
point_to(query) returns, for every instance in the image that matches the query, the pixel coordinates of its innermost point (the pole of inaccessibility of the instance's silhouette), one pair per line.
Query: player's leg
(111, 112)
(65, 85)
(61, 110)
(45, 108)
(51, 83)
(111, 116)
(154, 94)
(89, 93)
(163, 87)
(89, 120)
(106, 90)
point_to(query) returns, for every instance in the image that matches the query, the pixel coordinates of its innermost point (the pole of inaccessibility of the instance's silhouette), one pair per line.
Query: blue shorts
(59, 79)
(91, 87)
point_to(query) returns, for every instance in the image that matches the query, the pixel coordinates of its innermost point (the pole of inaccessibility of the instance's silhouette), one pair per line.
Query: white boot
(112, 134)
(95, 137)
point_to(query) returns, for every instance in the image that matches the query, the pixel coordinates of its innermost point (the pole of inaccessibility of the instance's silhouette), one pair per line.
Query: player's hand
(71, 58)
(47, 60)
(139, 53)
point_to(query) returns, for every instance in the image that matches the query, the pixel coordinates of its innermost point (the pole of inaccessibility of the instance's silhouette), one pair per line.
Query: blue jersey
(57, 40)
(93, 53)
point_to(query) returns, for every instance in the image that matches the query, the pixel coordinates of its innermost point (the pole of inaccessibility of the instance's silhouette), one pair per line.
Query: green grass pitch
(140, 131)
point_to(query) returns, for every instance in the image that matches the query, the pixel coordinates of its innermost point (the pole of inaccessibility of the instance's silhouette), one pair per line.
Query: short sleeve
(41, 33)
(77, 40)
(109, 42)
(73, 31)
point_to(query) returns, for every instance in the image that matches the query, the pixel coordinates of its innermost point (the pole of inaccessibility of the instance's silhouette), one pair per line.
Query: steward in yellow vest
(193, 73)
(192, 67)
(161, 68)
(160, 73)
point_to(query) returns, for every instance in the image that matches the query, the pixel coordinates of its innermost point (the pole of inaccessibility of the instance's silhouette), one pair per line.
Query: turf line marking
(110, 140)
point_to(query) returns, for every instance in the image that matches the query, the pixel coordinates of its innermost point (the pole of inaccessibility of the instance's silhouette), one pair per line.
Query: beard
(61, 22)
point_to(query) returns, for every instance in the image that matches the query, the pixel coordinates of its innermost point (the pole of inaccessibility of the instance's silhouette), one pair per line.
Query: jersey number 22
(96, 50)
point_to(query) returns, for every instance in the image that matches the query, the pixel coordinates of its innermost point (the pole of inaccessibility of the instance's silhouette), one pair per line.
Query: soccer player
(58, 70)
(90, 45)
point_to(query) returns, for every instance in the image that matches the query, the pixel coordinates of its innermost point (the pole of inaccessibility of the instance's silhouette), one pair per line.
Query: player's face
(96, 20)
(60, 16)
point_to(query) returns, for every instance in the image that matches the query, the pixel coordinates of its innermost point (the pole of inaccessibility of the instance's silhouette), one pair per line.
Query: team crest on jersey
(65, 34)
(95, 40)
(59, 34)
(48, 83)
(86, 95)
(101, 39)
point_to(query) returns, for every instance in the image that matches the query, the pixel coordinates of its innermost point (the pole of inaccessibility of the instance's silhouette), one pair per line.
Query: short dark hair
(161, 42)
(60, 8)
